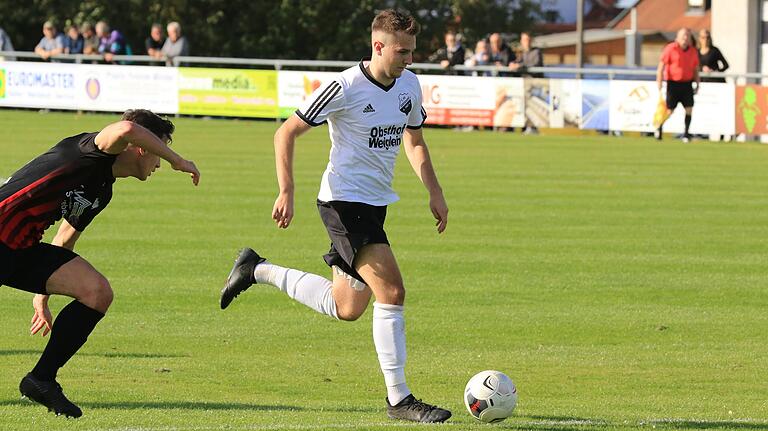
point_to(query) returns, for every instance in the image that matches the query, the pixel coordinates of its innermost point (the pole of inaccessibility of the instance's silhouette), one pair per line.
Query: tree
(296, 29)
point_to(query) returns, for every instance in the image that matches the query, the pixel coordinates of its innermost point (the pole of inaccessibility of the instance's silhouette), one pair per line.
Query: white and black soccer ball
(490, 396)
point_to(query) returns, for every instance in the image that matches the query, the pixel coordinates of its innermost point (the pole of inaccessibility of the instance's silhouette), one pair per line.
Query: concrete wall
(736, 31)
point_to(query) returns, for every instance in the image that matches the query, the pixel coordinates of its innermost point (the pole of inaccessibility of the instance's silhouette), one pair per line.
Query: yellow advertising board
(228, 92)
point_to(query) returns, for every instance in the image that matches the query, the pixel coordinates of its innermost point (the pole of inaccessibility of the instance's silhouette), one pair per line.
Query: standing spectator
(529, 56)
(73, 42)
(481, 57)
(710, 58)
(451, 54)
(175, 45)
(52, 42)
(90, 39)
(111, 42)
(500, 53)
(154, 43)
(5, 44)
(679, 66)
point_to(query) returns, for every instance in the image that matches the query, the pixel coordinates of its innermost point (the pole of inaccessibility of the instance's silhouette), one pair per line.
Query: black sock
(660, 131)
(687, 123)
(70, 330)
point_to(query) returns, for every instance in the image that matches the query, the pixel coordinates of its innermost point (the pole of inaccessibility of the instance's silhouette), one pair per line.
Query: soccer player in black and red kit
(73, 180)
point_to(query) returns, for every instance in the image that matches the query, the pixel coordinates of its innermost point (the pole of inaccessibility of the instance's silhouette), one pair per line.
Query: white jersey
(366, 121)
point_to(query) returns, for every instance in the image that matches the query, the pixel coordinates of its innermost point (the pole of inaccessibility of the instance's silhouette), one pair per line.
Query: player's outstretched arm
(418, 155)
(115, 137)
(42, 318)
(285, 141)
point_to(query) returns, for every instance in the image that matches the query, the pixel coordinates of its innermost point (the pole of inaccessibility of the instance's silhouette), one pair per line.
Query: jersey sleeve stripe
(307, 120)
(321, 97)
(312, 114)
(423, 120)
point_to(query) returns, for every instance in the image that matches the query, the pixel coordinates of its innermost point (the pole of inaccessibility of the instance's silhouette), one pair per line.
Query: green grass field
(622, 284)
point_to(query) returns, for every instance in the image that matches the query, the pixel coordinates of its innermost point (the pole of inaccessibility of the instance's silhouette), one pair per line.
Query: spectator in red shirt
(679, 66)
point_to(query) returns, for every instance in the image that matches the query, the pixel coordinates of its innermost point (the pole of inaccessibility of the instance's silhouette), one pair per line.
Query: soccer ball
(490, 396)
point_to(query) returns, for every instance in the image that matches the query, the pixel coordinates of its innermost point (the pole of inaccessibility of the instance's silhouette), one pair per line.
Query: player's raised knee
(97, 293)
(349, 314)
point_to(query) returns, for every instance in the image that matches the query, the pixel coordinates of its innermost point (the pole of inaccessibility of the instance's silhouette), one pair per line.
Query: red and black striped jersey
(71, 180)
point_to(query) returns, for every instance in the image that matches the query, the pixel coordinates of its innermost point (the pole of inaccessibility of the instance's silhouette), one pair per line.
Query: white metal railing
(278, 64)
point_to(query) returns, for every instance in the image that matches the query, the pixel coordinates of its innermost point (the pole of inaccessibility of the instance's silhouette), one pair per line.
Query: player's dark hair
(392, 21)
(149, 120)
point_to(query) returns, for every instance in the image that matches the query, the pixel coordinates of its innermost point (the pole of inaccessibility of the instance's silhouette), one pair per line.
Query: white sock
(311, 290)
(389, 339)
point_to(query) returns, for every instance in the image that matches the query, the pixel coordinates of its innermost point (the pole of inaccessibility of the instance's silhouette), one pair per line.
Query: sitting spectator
(90, 40)
(500, 53)
(73, 43)
(154, 43)
(175, 45)
(111, 43)
(51, 44)
(481, 57)
(5, 44)
(529, 56)
(710, 58)
(449, 55)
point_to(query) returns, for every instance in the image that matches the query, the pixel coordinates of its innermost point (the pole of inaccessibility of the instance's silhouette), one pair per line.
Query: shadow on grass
(169, 405)
(710, 425)
(101, 355)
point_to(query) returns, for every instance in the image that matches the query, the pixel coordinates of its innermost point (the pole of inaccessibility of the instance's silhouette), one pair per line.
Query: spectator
(481, 57)
(500, 53)
(679, 66)
(73, 42)
(175, 45)
(529, 56)
(451, 54)
(710, 58)
(111, 43)
(52, 42)
(90, 40)
(154, 43)
(5, 44)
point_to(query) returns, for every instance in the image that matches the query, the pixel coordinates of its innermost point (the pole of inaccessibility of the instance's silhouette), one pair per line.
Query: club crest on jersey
(405, 103)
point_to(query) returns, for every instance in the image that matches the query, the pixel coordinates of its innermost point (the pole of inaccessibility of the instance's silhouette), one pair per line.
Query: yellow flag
(661, 114)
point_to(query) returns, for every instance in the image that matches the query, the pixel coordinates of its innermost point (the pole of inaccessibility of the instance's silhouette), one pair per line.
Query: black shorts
(351, 226)
(679, 92)
(30, 268)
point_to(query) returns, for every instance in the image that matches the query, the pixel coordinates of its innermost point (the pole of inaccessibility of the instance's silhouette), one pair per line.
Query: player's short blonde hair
(392, 21)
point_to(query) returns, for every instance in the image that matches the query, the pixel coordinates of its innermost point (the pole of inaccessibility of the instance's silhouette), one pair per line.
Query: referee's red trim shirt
(681, 64)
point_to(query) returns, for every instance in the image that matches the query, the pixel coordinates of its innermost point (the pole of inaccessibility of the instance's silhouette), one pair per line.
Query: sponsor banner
(459, 100)
(751, 106)
(39, 85)
(117, 88)
(595, 101)
(88, 87)
(537, 102)
(633, 104)
(508, 101)
(713, 111)
(228, 92)
(565, 108)
(293, 87)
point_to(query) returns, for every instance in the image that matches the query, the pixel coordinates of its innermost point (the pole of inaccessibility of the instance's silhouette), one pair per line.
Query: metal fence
(278, 64)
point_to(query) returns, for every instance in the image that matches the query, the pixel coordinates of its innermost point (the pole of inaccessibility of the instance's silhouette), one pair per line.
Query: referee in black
(73, 180)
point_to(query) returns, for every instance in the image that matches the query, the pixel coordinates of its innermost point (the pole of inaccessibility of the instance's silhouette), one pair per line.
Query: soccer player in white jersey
(371, 109)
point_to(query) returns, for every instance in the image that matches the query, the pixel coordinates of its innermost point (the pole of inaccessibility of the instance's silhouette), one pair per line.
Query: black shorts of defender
(679, 92)
(30, 268)
(351, 226)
